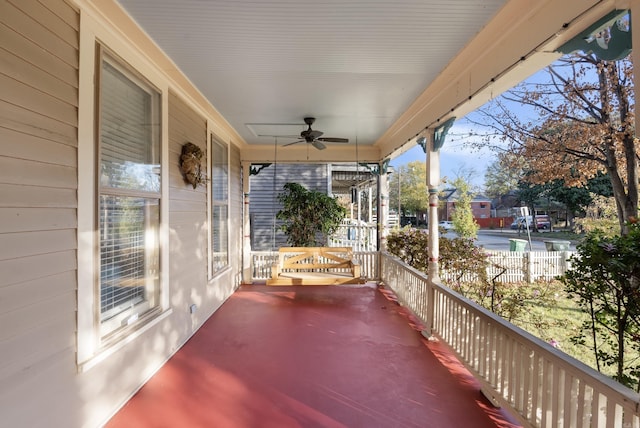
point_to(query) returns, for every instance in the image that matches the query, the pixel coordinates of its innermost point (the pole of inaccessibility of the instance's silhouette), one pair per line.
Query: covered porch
(402, 350)
(85, 185)
(311, 356)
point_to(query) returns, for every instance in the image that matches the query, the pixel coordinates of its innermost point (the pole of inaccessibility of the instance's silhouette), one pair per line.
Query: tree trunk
(630, 206)
(626, 201)
(632, 176)
(626, 196)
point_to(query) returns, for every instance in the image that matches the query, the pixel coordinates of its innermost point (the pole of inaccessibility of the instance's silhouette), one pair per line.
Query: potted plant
(309, 216)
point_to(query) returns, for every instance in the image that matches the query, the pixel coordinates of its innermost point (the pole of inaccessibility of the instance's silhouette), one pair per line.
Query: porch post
(383, 207)
(433, 181)
(246, 226)
(370, 203)
(359, 201)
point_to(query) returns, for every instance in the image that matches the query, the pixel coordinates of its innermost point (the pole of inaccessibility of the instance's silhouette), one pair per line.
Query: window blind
(129, 200)
(219, 205)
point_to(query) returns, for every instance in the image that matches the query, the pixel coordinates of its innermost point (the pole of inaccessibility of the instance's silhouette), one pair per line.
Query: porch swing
(310, 265)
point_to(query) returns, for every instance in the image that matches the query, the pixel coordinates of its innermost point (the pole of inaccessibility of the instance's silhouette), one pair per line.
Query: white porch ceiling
(358, 67)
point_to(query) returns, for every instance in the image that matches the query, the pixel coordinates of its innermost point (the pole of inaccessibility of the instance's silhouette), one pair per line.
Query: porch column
(383, 207)
(359, 201)
(370, 213)
(433, 182)
(246, 226)
(634, 8)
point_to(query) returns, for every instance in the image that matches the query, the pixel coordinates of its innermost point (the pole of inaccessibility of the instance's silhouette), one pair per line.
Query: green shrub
(410, 245)
(605, 281)
(465, 266)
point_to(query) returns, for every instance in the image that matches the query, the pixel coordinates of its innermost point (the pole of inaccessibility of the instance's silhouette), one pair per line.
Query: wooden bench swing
(315, 266)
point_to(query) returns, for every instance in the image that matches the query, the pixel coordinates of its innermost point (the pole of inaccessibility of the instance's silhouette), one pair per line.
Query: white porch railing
(541, 385)
(360, 238)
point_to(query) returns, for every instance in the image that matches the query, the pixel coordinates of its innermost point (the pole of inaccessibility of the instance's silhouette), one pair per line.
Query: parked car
(543, 222)
(446, 225)
(521, 223)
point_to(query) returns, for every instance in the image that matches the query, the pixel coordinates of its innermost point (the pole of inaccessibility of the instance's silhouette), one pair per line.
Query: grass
(555, 318)
(560, 234)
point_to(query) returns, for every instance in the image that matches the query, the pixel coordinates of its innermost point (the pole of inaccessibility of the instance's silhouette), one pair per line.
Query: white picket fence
(515, 266)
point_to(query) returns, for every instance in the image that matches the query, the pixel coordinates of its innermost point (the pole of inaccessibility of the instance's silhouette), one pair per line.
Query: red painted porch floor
(310, 356)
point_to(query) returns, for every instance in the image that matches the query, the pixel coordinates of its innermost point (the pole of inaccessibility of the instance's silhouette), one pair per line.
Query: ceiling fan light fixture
(313, 137)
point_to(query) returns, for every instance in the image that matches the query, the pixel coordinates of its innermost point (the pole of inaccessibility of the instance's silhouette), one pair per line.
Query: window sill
(104, 353)
(217, 274)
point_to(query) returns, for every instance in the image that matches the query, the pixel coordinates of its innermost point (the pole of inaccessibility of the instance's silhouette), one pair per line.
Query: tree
(605, 279)
(414, 197)
(462, 218)
(309, 216)
(584, 126)
(578, 199)
(530, 194)
(599, 215)
(501, 176)
(575, 199)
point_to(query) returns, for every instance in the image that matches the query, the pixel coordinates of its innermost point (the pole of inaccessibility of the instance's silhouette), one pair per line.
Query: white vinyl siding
(54, 356)
(266, 234)
(129, 196)
(38, 187)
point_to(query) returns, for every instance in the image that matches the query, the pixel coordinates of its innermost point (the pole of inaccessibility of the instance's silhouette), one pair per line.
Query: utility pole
(399, 176)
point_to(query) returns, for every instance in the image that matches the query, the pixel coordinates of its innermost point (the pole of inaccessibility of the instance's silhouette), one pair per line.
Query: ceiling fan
(315, 138)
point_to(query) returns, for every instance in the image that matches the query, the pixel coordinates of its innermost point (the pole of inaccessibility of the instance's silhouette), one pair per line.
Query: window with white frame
(128, 196)
(219, 206)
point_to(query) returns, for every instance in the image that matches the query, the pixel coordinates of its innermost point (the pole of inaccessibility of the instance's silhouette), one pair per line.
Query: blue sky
(453, 156)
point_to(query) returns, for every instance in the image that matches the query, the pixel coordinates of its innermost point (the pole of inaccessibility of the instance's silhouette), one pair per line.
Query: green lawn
(560, 234)
(554, 318)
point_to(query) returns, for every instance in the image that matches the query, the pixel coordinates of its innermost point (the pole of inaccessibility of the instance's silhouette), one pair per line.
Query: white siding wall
(40, 381)
(264, 204)
(188, 227)
(38, 182)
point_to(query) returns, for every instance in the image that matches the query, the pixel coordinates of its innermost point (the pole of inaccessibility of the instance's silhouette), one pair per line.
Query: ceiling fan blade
(291, 144)
(318, 145)
(334, 140)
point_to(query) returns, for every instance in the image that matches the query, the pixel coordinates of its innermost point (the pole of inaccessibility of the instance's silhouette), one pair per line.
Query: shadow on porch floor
(312, 356)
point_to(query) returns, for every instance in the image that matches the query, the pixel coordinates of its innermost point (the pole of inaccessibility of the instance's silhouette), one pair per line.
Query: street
(498, 240)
